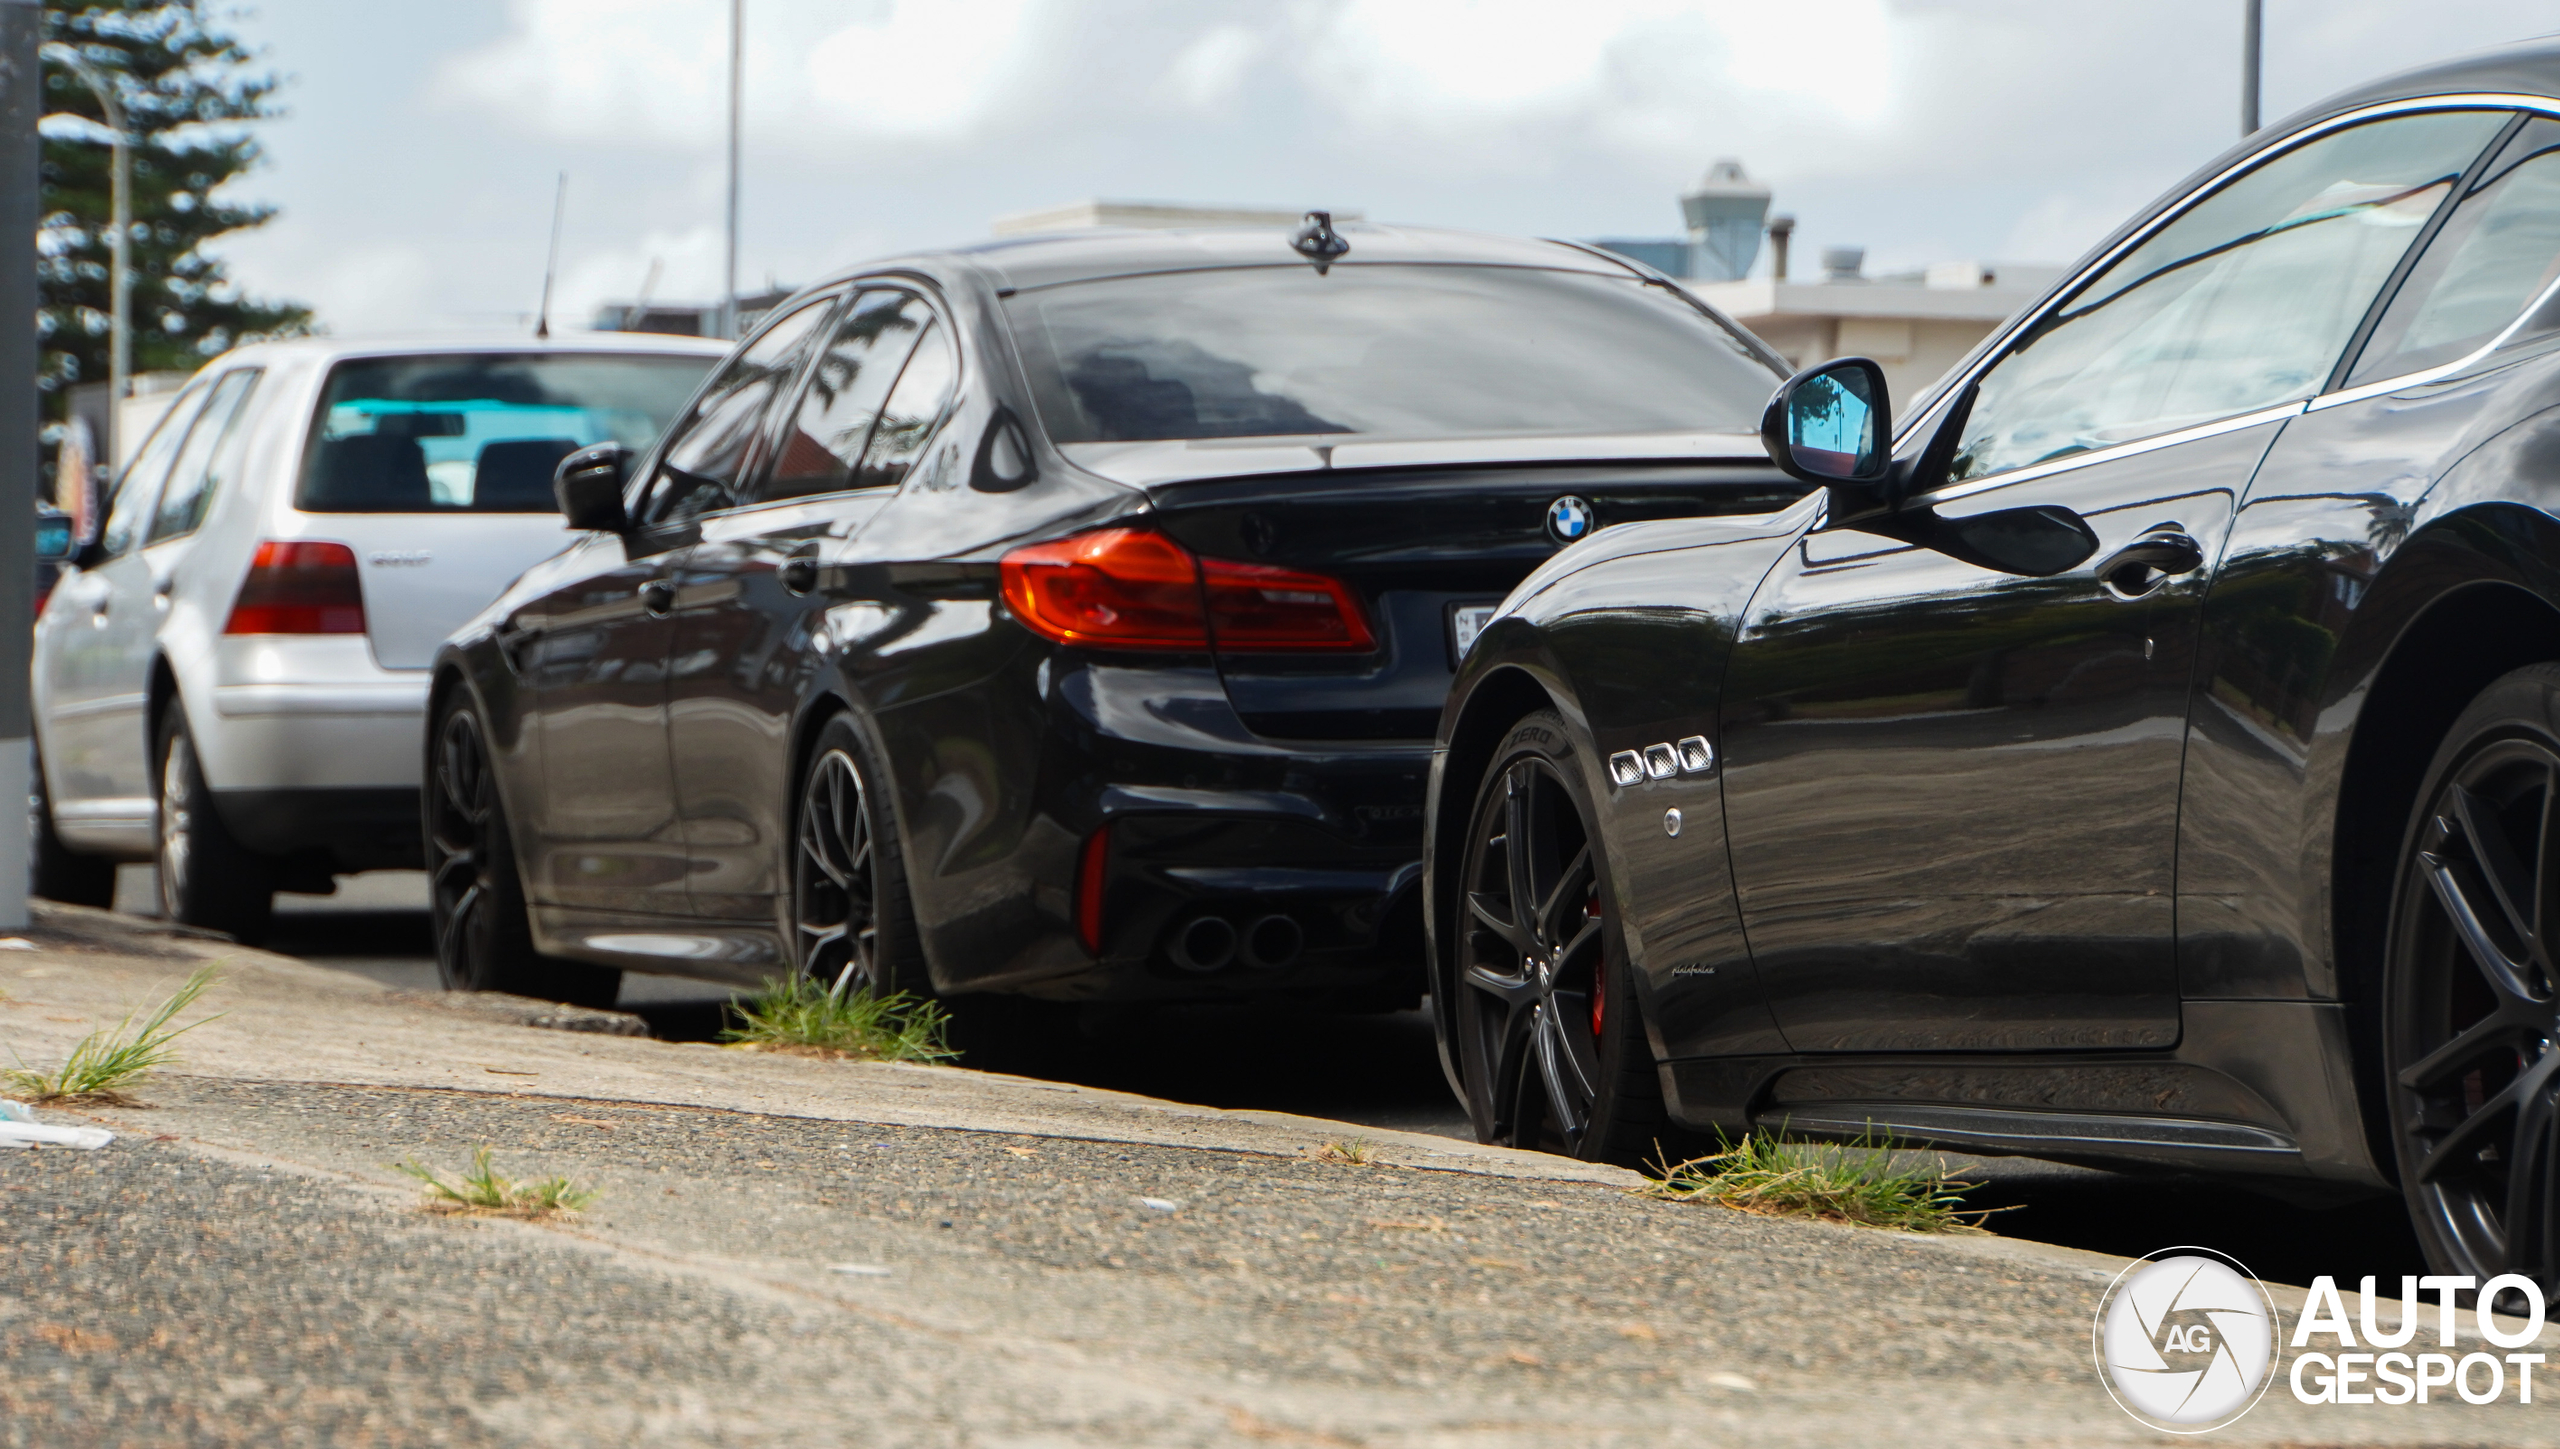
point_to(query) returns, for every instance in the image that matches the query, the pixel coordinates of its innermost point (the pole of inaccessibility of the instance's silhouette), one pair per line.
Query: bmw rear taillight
(1126, 588)
(299, 588)
(1256, 606)
(1116, 588)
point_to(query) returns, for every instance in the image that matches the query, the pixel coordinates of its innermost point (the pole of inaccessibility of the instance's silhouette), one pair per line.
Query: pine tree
(187, 90)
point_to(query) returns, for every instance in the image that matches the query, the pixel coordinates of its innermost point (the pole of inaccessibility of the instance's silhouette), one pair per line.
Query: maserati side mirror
(589, 486)
(2037, 542)
(1832, 424)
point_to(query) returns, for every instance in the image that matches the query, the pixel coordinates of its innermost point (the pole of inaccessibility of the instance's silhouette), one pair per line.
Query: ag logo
(2185, 1340)
(1568, 518)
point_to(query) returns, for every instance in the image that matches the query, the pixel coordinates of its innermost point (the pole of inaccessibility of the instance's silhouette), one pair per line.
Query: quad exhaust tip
(1208, 943)
(1212, 943)
(1272, 942)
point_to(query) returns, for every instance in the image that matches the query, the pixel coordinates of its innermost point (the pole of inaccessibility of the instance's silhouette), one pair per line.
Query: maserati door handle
(2142, 566)
(658, 598)
(798, 575)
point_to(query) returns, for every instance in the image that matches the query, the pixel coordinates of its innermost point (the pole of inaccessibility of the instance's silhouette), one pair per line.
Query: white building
(1916, 324)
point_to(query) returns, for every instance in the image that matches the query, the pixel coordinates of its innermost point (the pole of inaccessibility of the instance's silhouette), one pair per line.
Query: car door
(1953, 792)
(595, 654)
(868, 401)
(2259, 846)
(105, 627)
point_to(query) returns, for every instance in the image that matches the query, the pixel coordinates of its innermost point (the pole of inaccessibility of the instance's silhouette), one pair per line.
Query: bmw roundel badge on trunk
(1569, 519)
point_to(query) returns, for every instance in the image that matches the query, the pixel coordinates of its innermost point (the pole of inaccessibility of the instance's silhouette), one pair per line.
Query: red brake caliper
(1599, 969)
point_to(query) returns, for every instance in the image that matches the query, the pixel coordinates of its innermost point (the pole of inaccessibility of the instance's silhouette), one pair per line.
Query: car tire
(55, 871)
(207, 877)
(2471, 995)
(476, 900)
(1552, 1049)
(853, 920)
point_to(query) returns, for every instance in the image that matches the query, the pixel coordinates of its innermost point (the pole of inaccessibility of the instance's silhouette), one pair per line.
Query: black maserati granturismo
(1060, 619)
(2145, 751)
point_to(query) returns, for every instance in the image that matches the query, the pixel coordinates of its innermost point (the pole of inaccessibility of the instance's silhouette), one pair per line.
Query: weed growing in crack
(106, 1061)
(802, 1016)
(1856, 1182)
(483, 1191)
(1349, 1152)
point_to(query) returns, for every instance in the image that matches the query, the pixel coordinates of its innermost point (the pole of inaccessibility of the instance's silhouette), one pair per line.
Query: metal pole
(21, 102)
(2251, 28)
(737, 59)
(119, 245)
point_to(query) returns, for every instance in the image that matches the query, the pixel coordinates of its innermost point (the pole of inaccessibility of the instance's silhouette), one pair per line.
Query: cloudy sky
(415, 169)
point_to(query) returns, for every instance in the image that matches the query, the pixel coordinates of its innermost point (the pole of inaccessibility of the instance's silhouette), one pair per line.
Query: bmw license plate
(1466, 621)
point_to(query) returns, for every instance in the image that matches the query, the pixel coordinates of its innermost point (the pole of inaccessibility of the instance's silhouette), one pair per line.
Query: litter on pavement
(19, 1128)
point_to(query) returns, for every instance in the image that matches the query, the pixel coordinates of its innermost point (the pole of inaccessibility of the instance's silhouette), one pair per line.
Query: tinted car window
(209, 457)
(706, 464)
(907, 420)
(2243, 302)
(139, 486)
(841, 399)
(477, 432)
(2497, 252)
(1389, 350)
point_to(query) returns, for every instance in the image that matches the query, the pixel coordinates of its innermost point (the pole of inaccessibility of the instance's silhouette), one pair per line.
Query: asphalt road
(1382, 1071)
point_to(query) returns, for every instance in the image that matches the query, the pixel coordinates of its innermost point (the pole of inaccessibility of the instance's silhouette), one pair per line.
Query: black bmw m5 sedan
(1061, 618)
(2146, 752)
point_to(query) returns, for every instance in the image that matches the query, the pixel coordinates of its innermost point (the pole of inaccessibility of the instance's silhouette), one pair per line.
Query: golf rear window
(478, 432)
(1383, 350)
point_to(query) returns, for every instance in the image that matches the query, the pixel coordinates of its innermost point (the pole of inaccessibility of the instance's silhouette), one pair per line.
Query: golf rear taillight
(1093, 872)
(1127, 588)
(299, 588)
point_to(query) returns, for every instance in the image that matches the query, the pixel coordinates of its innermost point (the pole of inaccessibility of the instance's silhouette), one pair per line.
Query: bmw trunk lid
(1429, 537)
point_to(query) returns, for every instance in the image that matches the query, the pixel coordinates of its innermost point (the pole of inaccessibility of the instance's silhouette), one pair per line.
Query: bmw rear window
(1382, 350)
(478, 432)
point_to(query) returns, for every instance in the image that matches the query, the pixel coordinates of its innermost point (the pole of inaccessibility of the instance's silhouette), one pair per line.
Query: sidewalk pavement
(800, 1252)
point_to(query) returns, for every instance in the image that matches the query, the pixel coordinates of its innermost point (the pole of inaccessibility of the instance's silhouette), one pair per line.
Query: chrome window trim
(2094, 456)
(2441, 370)
(1922, 423)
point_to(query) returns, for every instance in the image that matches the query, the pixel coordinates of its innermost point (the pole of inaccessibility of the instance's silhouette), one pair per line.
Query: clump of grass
(802, 1016)
(106, 1061)
(483, 1191)
(1350, 1152)
(1857, 1182)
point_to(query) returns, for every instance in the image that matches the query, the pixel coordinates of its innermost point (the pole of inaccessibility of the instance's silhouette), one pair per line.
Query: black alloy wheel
(1551, 1047)
(850, 919)
(484, 938)
(2473, 1014)
(207, 877)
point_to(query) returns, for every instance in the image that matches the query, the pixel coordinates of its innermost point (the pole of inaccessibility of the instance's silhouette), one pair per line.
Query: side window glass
(707, 460)
(139, 486)
(2243, 302)
(2498, 251)
(831, 424)
(211, 453)
(915, 406)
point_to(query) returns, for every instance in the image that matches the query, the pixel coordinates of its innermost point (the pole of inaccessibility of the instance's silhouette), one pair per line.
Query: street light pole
(119, 241)
(2252, 26)
(729, 280)
(21, 102)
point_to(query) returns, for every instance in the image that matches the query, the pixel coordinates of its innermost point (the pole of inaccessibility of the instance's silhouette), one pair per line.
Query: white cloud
(1924, 129)
(927, 67)
(1209, 71)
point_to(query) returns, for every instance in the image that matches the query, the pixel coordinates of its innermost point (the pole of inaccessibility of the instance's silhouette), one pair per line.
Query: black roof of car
(1083, 256)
